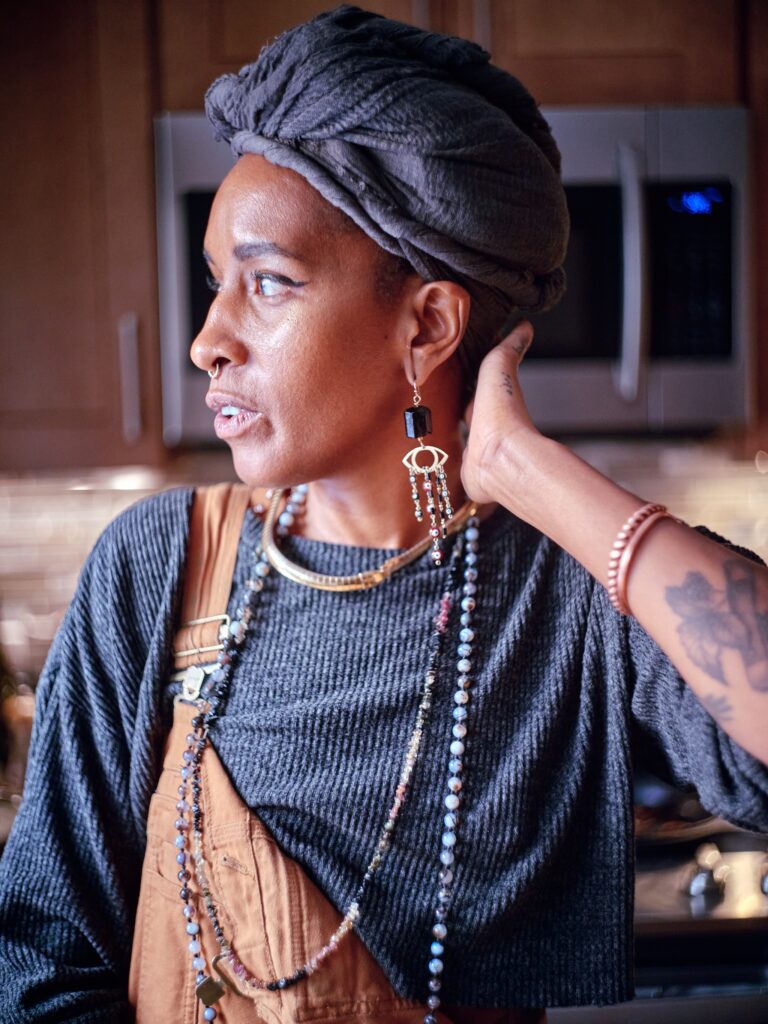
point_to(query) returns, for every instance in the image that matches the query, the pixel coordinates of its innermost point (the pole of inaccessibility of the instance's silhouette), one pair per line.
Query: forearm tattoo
(715, 619)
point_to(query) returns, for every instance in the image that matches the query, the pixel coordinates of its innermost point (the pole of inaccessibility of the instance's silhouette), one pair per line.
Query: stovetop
(716, 885)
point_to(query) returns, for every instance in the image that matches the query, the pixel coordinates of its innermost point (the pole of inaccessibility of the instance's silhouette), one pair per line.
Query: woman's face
(311, 358)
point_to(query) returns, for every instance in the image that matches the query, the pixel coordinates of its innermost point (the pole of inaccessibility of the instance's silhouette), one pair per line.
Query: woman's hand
(507, 460)
(496, 416)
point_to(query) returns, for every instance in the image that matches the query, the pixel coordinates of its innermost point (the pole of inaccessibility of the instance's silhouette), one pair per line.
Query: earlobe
(442, 309)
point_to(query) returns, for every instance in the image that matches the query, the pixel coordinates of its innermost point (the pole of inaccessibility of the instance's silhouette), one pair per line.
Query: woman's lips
(233, 418)
(231, 421)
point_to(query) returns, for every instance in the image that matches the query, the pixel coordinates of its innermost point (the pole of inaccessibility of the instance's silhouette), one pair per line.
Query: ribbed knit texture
(313, 736)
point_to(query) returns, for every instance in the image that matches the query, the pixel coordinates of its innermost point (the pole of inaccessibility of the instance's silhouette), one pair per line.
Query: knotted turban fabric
(438, 155)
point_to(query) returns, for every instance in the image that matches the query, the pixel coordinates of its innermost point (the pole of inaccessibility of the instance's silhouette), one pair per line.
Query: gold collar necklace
(361, 580)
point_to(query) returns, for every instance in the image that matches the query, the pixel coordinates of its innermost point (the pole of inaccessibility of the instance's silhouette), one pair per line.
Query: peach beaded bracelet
(624, 548)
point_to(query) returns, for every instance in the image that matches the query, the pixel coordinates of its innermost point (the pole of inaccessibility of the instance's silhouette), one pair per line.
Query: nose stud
(214, 373)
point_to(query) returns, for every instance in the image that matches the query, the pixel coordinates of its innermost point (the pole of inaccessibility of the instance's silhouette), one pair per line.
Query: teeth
(230, 410)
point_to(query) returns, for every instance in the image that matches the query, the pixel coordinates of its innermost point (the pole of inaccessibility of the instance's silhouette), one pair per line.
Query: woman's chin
(263, 473)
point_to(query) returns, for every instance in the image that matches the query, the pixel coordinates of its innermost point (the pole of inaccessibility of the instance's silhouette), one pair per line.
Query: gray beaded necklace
(210, 703)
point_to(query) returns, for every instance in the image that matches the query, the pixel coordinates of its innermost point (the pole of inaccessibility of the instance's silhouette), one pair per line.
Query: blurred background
(655, 368)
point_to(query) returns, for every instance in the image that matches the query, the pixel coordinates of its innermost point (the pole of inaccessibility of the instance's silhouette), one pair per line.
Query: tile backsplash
(48, 524)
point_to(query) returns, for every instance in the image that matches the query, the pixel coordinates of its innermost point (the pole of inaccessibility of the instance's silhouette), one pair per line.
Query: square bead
(418, 421)
(209, 991)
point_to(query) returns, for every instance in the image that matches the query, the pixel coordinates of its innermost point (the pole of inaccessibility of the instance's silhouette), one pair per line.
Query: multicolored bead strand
(449, 838)
(191, 814)
(212, 693)
(415, 497)
(444, 495)
(436, 532)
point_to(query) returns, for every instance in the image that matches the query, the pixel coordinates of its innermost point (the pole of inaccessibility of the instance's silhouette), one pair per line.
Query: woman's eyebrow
(248, 250)
(261, 248)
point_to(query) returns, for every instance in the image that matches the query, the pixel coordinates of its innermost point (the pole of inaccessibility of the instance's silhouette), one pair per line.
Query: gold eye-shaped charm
(437, 455)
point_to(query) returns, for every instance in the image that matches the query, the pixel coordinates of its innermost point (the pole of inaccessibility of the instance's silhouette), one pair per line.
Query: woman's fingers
(518, 341)
(497, 412)
(497, 381)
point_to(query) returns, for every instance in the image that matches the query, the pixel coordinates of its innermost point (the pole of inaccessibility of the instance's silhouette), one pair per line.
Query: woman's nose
(217, 343)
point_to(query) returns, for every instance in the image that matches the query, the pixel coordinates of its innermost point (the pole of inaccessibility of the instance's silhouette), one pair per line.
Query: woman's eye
(267, 286)
(270, 286)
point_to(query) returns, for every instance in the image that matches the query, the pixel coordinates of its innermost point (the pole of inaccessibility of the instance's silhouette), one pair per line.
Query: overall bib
(271, 912)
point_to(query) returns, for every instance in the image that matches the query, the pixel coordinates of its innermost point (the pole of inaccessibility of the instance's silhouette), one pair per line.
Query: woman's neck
(373, 508)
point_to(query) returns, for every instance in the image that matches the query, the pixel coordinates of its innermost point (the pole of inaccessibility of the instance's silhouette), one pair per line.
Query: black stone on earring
(418, 421)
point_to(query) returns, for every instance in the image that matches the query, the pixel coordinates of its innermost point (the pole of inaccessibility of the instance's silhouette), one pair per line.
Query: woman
(467, 810)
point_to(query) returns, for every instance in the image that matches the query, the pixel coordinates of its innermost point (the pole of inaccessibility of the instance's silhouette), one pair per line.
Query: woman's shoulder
(124, 597)
(141, 548)
(150, 524)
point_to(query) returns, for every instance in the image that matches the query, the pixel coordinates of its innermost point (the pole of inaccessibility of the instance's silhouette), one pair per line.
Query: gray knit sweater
(313, 735)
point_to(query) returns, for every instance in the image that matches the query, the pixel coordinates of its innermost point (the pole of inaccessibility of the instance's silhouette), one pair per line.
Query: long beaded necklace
(209, 990)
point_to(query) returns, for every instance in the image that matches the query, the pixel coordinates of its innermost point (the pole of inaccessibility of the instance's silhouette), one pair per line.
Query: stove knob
(707, 878)
(764, 877)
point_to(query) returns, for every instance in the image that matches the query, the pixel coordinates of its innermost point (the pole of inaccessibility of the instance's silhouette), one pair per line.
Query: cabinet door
(757, 84)
(80, 381)
(608, 51)
(201, 39)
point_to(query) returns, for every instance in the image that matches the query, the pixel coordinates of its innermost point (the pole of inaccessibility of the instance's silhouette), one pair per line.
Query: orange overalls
(271, 912)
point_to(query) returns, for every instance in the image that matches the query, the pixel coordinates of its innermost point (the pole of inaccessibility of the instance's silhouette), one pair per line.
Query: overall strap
(214, 533)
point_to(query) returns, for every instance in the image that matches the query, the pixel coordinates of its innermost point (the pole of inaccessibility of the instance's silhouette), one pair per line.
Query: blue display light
(695, 202)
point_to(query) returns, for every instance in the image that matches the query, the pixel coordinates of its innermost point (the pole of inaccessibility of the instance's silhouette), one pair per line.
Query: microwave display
(689, 228)
(689, 252)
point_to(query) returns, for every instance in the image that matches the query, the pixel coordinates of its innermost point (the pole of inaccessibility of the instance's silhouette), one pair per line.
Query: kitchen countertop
(706, 1009)
(49, 523)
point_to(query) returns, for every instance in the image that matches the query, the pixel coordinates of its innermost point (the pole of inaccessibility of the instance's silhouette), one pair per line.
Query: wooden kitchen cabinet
(201, 39)
(78, 304)
(566, 51)
(757, 97)
(579, 52)
(82, 82)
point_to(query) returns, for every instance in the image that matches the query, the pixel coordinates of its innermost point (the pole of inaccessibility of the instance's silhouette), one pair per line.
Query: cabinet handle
(481, 24)
(420, 14)
(130, 376)
(634, 328)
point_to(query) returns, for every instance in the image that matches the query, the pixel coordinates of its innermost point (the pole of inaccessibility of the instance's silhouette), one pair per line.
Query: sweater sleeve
(69, 877)
(681, 742)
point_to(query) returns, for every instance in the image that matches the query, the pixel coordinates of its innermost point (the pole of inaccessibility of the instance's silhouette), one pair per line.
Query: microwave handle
(130, 376)
(631, 367)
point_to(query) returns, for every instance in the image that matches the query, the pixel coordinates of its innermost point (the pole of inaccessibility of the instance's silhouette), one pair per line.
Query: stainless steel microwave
(653, 333)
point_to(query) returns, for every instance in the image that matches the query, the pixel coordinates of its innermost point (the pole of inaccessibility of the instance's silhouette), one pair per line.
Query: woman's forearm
(705, 606)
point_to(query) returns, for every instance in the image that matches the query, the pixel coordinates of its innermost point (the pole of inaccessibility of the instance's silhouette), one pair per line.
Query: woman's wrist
(522, 472)
(546, 484)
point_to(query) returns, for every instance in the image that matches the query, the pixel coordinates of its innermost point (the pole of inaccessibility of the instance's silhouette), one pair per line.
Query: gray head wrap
(439, 156)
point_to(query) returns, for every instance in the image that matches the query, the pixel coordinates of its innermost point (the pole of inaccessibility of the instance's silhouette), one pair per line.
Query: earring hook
(414, 382)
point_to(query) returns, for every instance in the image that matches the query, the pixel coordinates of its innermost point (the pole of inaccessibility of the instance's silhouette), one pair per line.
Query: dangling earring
(418, 424)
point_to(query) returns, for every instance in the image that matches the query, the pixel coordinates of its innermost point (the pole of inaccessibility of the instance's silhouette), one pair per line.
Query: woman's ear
(442, 314)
